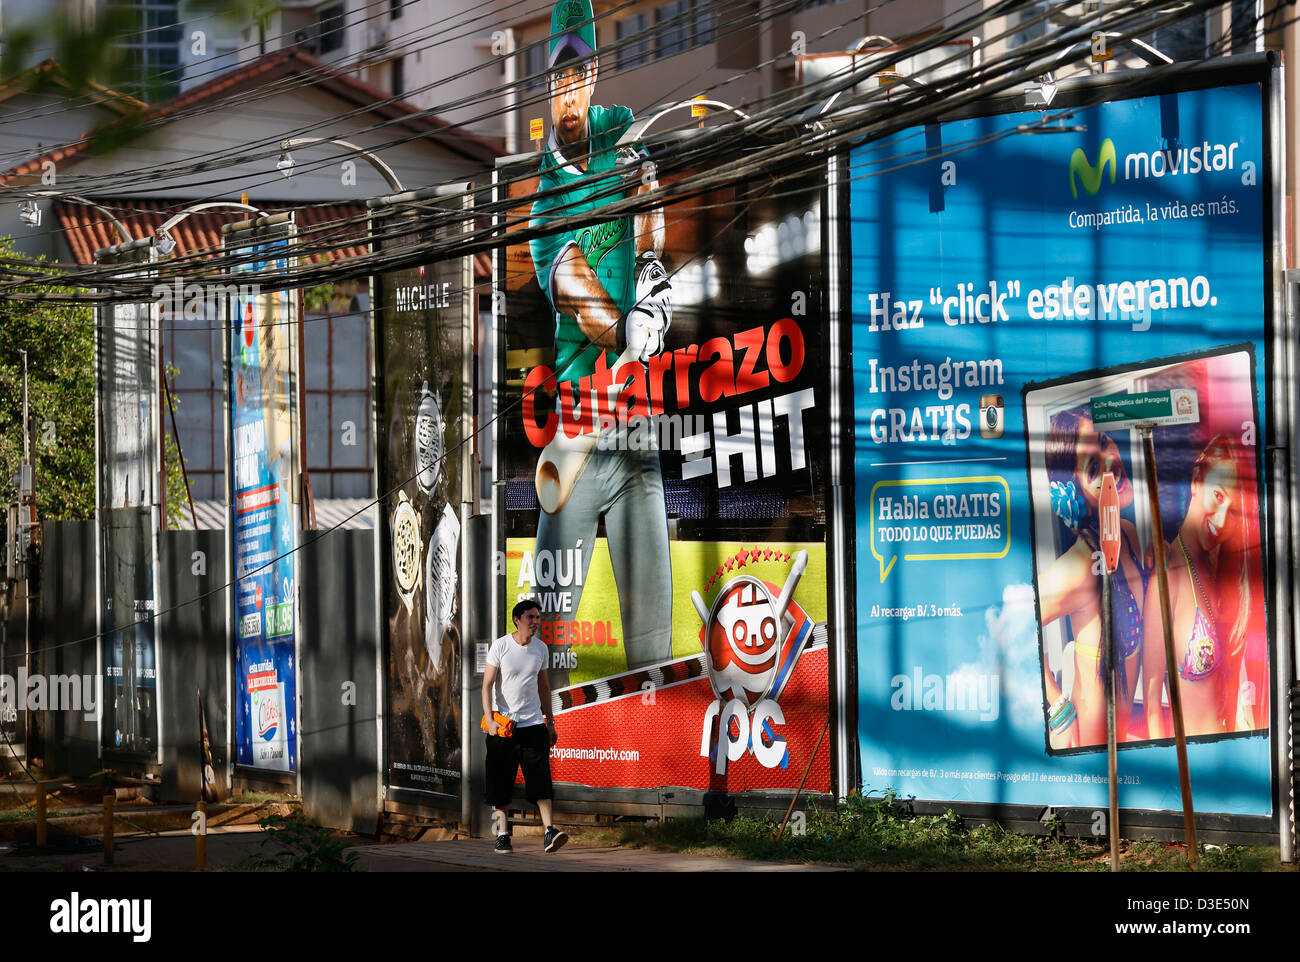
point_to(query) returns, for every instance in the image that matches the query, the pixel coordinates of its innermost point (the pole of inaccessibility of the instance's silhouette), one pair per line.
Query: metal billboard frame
(1280, 462)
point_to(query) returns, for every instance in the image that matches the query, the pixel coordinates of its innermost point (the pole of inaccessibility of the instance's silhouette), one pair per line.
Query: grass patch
(20, 814)
(876, 834)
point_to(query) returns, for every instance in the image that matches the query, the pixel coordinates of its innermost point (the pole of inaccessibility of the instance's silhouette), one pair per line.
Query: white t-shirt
(514, 693)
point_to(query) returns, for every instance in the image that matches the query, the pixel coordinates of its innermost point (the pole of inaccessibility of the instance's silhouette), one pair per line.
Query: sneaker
(502, 846)
(555, 839)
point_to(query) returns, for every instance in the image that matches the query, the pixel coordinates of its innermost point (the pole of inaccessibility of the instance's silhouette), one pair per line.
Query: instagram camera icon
(992, 419)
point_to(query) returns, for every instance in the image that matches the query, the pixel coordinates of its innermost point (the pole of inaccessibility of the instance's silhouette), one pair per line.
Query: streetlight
(286, 164)
(166, 243)
(30, 214)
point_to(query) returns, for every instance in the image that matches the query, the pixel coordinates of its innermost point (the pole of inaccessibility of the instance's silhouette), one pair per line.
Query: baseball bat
(700, 606)
(787, 590)
(563, 460)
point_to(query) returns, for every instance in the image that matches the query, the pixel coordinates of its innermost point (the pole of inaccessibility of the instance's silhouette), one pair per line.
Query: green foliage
(318, 298)
(878, 833)
(59, 340)
(178, 502)
(299, 844)
(88, 52)
(1237, 858)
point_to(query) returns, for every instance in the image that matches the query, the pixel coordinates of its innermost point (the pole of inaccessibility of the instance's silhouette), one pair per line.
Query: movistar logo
(1089, 175)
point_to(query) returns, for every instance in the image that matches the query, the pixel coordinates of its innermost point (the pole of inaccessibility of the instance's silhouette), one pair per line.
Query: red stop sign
(1110, 532)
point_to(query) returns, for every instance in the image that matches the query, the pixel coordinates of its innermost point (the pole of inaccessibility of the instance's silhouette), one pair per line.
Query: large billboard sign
(127, 391)
(260, 332)
(1002, 281)
(664, 446)
(420, 339)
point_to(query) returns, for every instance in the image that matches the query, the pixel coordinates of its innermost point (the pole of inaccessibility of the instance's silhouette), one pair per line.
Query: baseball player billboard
(420, 315)
(665, 452)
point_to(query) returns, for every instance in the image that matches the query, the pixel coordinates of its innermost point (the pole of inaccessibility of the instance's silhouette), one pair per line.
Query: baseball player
(611, 297)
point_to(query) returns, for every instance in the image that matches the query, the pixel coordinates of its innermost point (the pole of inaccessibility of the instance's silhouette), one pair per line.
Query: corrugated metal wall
(338, 670)
(64, 643)
(191, 634)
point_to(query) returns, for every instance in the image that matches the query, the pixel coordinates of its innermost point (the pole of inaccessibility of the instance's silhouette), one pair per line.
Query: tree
(60, 346)
(59, 339)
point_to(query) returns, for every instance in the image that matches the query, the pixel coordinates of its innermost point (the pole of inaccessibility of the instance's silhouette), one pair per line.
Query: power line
(333, 272)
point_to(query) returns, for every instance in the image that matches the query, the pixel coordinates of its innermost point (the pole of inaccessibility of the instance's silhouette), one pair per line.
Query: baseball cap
(573, 32)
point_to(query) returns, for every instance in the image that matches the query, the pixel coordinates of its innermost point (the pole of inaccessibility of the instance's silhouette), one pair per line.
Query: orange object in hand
(507, 725)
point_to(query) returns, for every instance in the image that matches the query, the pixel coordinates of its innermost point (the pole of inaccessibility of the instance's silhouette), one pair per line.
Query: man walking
(515, 686)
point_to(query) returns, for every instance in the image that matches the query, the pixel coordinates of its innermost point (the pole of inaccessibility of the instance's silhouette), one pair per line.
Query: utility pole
(19, 554)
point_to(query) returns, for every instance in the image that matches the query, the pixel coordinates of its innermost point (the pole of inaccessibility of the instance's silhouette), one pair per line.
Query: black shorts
(530, 749)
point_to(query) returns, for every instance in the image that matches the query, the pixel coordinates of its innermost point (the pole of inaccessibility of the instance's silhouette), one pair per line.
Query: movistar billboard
(1000, 282)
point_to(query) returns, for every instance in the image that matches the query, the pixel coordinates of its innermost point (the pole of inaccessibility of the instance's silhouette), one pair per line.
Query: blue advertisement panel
(1002, 280)
(264, 519)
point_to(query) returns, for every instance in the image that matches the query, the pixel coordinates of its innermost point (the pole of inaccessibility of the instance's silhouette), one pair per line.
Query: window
(1032, 22)
(672, 26)
(331, 28)
(395, 9)
(1183, 40)
(535, 66)
(399, 76)
(681, 25)
(703, 23)
(150, 47)
(633, 41)
(1243, 26)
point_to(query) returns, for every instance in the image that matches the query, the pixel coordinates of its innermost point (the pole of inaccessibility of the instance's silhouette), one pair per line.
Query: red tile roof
(232, 85)
(86, 230)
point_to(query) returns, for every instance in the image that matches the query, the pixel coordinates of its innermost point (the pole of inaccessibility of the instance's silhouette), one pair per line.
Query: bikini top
(1202, 655)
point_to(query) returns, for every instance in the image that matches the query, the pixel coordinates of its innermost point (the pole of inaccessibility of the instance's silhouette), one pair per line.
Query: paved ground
(476, 855)
(173, 851)
(168, 852)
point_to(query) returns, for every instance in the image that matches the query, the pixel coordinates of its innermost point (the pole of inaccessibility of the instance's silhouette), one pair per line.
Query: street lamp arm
(108, 214)
(209, 205)
(384, 170)
(638, 129)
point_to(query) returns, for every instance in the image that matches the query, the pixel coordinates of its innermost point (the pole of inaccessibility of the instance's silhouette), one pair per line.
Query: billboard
(420, 340)
(666, 485)
(264, 533)
(128, 458)
(1000, 282)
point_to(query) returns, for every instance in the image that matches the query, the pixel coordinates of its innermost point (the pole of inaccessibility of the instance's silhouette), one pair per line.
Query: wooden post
(1108, 670)
(201, 839)
(41, 827)
(108, 828)
(788, 811)
(1167, 621)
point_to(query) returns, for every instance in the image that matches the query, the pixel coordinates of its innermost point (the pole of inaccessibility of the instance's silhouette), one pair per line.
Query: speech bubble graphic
(939, 519)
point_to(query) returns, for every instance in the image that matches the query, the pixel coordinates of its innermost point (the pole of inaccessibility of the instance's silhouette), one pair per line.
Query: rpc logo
(752, 636)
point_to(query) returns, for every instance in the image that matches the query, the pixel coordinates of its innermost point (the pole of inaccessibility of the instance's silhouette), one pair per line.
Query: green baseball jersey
(607, 246)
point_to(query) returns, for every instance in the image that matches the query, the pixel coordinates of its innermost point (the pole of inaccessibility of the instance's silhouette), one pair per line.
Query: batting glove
(650, 317)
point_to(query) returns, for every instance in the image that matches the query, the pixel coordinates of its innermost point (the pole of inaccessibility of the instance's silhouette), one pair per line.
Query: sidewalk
(476, 855)
(173, 851)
